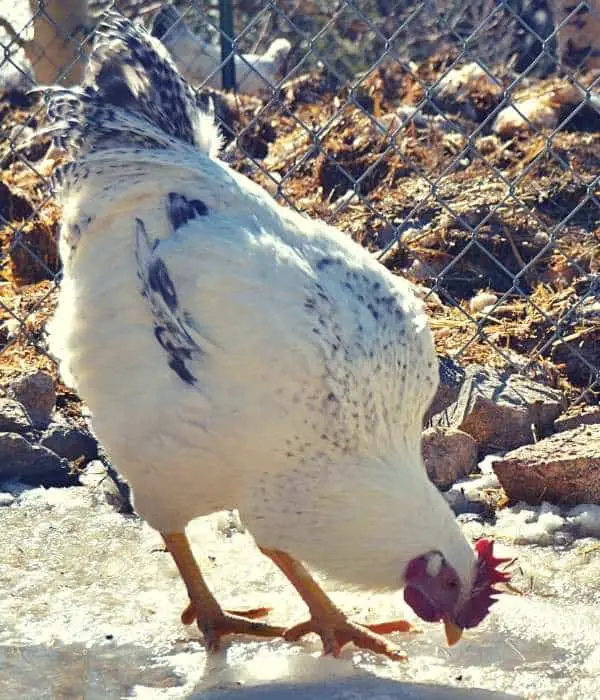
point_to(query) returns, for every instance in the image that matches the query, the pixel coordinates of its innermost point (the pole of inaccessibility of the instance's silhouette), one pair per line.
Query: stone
(590, 415)
(469, 507)
(452, 376)
(70, 442)
(563, 469)
(462, 88)
(504, 410)
(105, 482)
(482, 303)
(37, 394)
(449, 454)
(31, 464)
(536, 112)
(13, 417)
(6, 499)
(543, 110)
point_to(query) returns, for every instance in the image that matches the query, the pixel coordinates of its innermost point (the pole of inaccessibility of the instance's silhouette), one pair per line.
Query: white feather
(311, 371)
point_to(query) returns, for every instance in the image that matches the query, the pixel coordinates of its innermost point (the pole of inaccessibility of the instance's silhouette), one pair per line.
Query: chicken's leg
(327, 620)
(212, 620)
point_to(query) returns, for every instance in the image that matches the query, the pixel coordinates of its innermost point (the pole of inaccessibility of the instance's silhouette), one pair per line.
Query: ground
(102, 620)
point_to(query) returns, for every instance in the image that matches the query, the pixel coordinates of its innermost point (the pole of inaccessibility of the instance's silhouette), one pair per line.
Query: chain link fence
(459, 141)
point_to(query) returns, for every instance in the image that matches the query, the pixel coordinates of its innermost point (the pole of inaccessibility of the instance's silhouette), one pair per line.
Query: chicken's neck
(363, 521)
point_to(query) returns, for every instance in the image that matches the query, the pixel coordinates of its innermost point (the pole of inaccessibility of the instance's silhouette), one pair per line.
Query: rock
(37, 394)
(469, 518)
(6, 499)
(451, 378)
(543, 110)
(563, 469)
(105, 482)
(448, 454)
(13, 417)
(463, 88)
(590, 415)
(468, 506)
(482, 302)
(458, 79)
(70, 442)
(504, 410)
(535, 112)
(31, 464)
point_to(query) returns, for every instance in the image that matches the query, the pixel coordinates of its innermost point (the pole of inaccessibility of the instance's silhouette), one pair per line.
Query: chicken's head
(433, 590)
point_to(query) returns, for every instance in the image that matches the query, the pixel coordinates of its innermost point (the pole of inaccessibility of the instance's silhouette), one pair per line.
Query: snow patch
(94, 607)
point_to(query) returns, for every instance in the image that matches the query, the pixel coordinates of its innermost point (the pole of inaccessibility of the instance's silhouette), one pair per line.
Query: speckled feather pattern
(233, 352)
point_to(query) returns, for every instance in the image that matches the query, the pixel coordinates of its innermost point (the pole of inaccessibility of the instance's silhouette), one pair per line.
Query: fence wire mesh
(459, 141)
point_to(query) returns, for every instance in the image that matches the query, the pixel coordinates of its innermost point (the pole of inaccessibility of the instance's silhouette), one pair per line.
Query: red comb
(488, 562)
(478, 605)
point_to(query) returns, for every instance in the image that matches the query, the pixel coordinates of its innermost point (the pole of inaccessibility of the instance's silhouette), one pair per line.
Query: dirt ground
(414, 173)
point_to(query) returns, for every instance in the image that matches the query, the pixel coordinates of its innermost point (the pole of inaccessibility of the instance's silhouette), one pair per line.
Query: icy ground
(90, 608)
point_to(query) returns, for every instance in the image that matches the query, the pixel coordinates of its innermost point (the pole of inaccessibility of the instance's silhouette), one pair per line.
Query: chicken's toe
(190, 614)
(216, 626)
(336, 634)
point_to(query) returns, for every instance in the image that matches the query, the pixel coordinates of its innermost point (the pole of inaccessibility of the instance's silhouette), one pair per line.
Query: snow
(93, 605)
(543, 525)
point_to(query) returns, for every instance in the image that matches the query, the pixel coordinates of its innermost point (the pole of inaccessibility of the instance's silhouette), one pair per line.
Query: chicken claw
(189, 614)
(327, 620)
(220, 624)
(212, 620)
(336, 633)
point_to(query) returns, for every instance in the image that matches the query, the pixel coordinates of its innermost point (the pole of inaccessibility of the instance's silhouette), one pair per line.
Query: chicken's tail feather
(167, 21)
(132, 97)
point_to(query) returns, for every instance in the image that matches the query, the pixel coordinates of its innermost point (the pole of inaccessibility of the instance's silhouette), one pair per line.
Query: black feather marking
(172, 329)
(159, 280)
(177, 364)
(180, 209)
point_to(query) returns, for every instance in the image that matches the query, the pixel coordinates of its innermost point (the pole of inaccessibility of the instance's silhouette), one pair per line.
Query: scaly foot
(327, 620)
(336, 632)
(223, 622)
(204, 609)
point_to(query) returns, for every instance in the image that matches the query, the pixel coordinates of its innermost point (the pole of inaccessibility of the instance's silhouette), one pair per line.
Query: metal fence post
(227, 34)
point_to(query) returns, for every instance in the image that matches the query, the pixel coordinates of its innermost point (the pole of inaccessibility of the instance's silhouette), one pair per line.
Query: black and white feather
(171, 330)
(233, 352)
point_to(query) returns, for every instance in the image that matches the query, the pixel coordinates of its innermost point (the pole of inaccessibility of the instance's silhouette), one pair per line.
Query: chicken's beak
(453, 631)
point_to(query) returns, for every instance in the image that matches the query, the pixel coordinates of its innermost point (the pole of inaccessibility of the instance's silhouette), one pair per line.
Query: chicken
(200, 62)
(235, 353)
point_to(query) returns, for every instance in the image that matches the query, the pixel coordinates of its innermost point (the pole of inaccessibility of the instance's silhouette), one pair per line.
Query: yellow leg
(327, 620)
(212, 620)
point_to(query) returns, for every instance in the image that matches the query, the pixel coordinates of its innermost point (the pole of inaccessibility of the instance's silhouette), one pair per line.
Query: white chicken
(237, 354)
(200, 62)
